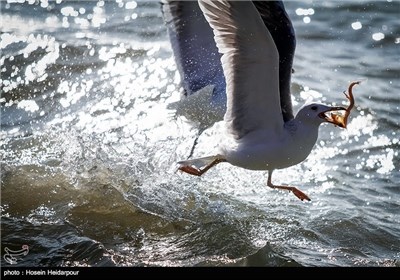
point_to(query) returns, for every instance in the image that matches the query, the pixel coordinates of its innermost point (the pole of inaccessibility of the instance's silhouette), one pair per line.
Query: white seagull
(259, 137)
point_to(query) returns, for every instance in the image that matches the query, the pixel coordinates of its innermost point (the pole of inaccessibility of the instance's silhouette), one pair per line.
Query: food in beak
(333, 116)
(337, 118)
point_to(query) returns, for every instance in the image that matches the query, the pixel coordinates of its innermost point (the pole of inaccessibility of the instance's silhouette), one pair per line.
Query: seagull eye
(314, 108)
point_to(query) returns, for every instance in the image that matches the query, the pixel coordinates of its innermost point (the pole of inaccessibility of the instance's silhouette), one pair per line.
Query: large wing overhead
(192, 40)
(280, 26)
(250, 62)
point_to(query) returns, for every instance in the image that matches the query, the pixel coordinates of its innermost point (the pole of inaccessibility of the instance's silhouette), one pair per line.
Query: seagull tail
(198, 162)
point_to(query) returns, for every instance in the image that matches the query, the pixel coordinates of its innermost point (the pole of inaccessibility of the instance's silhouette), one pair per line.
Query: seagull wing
(192, 40)
(280, 26)
(250, 62)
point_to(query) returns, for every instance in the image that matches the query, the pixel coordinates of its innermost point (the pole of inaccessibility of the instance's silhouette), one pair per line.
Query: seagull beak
(329, 117)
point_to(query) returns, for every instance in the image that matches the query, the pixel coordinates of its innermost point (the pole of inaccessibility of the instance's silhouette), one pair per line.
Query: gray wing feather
(250, 62)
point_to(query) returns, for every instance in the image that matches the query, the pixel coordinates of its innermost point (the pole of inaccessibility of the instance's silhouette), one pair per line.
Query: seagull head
(318, 113)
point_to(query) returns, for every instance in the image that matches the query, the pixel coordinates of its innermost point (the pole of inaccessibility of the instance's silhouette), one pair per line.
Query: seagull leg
(201, 130)
(294, 190)
(200, 171)
(194, 145)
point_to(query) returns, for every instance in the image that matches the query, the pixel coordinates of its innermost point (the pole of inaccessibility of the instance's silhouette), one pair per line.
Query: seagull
(258, 136)
(203, 98)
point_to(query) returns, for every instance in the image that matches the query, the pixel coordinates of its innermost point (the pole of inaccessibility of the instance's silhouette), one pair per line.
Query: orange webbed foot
(302, 196)
(190, 170)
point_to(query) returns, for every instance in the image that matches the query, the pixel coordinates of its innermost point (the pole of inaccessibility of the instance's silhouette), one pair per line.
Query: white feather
(250, 61)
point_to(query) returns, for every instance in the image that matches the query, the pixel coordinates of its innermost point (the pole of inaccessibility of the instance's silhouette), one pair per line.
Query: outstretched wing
(250, 62)
(192, 40)
(280, 26)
